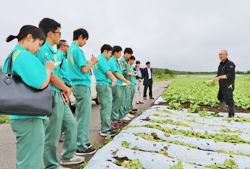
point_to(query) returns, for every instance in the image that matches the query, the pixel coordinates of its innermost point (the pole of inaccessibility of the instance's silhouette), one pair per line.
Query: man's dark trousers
(226, 95)
(146, 86)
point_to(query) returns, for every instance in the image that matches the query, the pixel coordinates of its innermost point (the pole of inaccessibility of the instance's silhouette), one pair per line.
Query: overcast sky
(175, 34)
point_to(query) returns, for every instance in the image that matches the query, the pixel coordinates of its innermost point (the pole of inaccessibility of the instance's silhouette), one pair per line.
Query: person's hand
(216, 79)
(140, 80)
(50, 65)
(67, 91)
(65, 98)
(94, 59)
(133, 74)
(113, 83)
(128, 82)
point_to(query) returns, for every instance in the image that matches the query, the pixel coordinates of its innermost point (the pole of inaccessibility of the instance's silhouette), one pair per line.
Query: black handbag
(17, 98)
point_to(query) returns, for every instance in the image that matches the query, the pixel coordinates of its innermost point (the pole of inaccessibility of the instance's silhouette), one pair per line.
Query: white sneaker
(126, 118)
(74, 160)
(130, 115)
(61, 167)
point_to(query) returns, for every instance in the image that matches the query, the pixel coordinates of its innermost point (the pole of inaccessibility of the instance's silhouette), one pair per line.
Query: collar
(221, 63)
(60, 52)
(74, 44)
(47, 45)
(101, 55)
(112, 57)
(19, 47)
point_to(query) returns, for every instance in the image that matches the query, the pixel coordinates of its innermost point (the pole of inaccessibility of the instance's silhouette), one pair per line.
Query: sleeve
(30, 69)
(230, 69)
(142, 72)
(113, 67)
(65, 72)
(79, 57)
(218, 71)
(103, 66)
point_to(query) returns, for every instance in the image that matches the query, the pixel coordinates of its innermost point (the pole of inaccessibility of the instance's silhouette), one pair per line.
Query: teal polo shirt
(76, 59)
(132, 77)
(100, 69)
(48, 52)
(29, 68)
(115, 66)
(125, 67)
(64, 66)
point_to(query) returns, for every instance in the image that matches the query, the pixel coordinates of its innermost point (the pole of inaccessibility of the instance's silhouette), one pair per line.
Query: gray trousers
(138, 90)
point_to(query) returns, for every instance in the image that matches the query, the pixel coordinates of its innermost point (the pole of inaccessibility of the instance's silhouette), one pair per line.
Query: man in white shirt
(148, 81)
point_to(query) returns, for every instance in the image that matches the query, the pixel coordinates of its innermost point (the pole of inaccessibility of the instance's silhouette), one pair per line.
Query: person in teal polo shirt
(61, 54)
(131, 61)
(105, 80)
(29, 130)
(80, 77)
(117, 91)
(62, 118)
(125, 105)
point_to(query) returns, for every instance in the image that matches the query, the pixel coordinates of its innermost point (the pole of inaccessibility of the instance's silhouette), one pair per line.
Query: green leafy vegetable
(108, 139)
(125, 144)
(228, 164)
(194, 108)
(135, 164)
(177, 166)
(230, 131)
(83, 165)
(210, 83)
(175, 106)
(170, 121)
(216, 137)
(242, 120)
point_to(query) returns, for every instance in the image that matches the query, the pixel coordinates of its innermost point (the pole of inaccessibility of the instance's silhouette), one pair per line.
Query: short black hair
(128, 50)
(137, 62)
(116, 49)
(77, 33)
(106, 47)
(147, 63)
(60, 43)
(47, 25)
(132, 58)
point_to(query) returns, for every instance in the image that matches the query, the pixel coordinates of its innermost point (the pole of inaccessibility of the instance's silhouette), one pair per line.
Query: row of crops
(195, 91)
(171, 137)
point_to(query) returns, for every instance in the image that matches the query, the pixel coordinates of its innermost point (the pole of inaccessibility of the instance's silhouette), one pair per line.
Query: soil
(121, 159)
(210, 108)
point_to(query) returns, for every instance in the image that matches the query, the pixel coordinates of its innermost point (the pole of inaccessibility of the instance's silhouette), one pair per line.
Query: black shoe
(86, 152)
(89, 145)
(111, 132)
(231, 111)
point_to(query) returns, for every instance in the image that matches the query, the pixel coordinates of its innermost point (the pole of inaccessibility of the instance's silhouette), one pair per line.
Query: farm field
(193, 90)
(172, 137)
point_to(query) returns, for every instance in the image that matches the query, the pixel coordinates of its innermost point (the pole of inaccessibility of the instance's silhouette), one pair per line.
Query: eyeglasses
(66, 45)
(58, 32)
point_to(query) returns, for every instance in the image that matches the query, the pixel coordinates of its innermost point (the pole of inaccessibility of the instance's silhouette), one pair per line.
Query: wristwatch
(220, 77)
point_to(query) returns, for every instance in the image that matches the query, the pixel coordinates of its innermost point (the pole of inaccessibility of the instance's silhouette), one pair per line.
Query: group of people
(37, 137)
